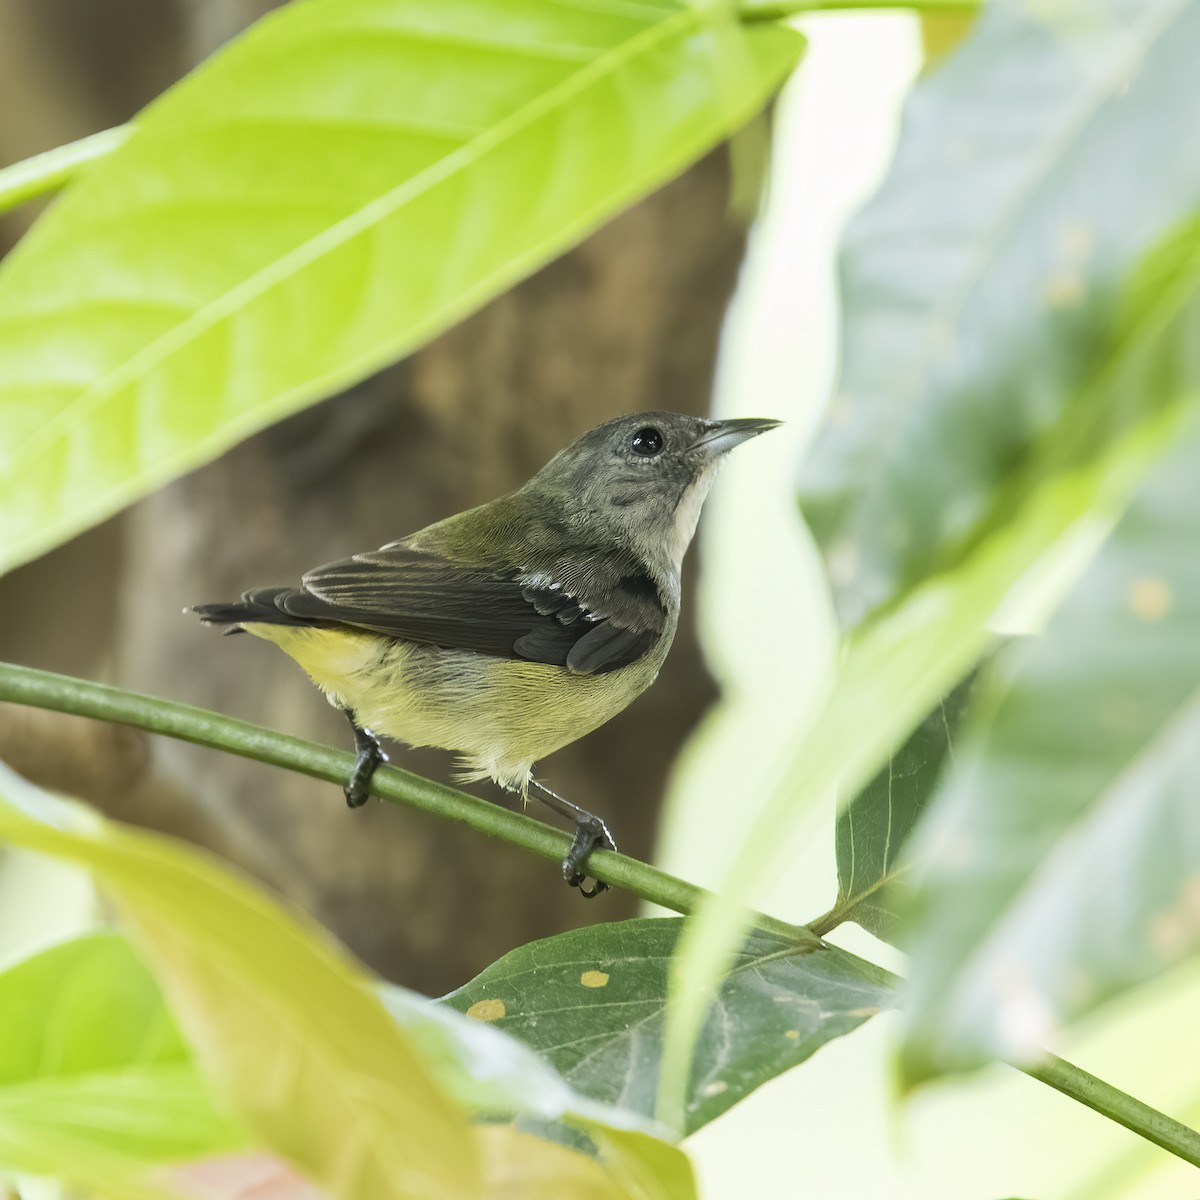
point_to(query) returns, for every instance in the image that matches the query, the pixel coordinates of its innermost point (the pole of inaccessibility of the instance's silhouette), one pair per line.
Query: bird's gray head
(641, 479)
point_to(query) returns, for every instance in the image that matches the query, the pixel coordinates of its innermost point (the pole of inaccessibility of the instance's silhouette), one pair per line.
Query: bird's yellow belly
(502, 715)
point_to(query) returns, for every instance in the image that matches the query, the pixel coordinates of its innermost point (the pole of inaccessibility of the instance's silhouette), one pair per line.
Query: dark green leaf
(592, 1002)
(873, 827)
(492, 1074)
(1059, 863)
(95, 1083)
(983, 287)
(325, 194)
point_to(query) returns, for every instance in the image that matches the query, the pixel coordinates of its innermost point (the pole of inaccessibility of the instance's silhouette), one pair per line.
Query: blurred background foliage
(1017, 345)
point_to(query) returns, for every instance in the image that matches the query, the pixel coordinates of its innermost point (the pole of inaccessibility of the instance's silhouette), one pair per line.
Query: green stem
(781, 10)
(41, 689)
(50, 171)
(1118, 1106)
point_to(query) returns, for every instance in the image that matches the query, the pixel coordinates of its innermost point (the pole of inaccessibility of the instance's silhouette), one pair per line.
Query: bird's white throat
(687, 513)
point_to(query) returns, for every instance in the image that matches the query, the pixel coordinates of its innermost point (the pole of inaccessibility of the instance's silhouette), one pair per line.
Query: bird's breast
(502, 714)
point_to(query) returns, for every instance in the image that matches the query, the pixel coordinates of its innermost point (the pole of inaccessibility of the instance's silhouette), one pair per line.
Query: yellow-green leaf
(325, 194)
(96, 1086)
(280, 1018)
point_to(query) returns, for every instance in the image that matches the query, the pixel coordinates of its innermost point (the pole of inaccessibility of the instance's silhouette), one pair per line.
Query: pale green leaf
(325, 194)
(1037, 166)
(519, 1166)
(281, 1020)
(96, 1085)
(1060, 861)
(593, 1002)
(645, 1167)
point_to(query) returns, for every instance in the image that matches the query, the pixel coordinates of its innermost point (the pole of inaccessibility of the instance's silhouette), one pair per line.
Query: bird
(508, 631)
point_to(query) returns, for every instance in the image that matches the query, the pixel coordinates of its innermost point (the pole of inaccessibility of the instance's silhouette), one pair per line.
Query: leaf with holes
(982, 285)
(326, 193)
(592, 1001)
(873, 827)
(1059, 863)
(96, 1084)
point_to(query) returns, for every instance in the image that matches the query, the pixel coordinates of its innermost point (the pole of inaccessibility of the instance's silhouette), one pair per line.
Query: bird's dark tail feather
(255, 606)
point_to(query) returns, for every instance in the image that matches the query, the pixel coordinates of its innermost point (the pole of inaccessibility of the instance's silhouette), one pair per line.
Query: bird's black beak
(719, 437)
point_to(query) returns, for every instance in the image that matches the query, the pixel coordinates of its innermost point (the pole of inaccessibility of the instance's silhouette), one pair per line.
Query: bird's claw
(590, 834)
(356, 797)
(358, 787)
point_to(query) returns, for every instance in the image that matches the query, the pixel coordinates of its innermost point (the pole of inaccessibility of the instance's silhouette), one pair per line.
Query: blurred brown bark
(629, 320)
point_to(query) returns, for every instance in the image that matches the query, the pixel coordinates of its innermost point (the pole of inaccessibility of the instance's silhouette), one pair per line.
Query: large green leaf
(1035, 169)
(95, 1083)
(326, 193)
(593, 1001)
(282, 1022)
(1100, 387)
(873, 828)
(1060, 862)
(519, 1166)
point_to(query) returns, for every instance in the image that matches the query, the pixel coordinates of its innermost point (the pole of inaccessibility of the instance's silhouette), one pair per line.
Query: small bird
(510, 630)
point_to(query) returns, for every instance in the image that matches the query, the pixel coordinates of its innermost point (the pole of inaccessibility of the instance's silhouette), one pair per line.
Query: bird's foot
(590, 834)
(358, 787)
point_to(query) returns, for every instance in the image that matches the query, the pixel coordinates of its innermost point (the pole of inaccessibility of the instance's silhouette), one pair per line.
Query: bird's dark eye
(647, 442)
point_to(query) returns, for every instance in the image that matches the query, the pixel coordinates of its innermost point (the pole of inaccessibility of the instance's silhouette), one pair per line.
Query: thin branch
(52, 170)
(41, 689)
(827, 922)
(1119, 1106)
(781, 10)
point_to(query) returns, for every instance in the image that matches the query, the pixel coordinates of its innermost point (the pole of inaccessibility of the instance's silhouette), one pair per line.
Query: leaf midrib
(851, 899)
(845, 909)
(344, 231)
